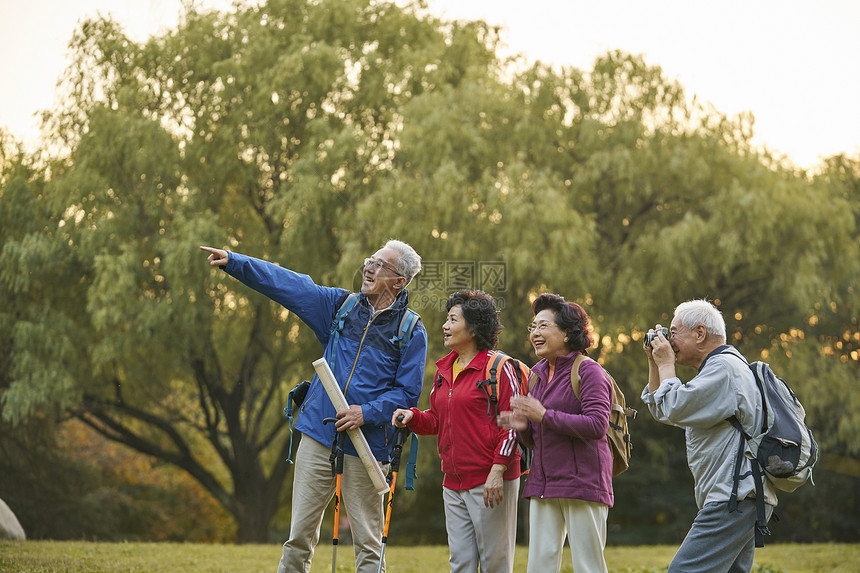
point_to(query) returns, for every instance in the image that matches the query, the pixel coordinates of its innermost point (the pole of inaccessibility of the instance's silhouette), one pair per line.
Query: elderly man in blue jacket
(375, 373)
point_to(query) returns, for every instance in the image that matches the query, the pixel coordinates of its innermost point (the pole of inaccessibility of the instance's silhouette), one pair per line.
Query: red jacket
(470, 441)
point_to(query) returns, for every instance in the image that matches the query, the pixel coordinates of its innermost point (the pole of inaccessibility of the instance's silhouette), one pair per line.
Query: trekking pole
(400, 435)
(336, 460)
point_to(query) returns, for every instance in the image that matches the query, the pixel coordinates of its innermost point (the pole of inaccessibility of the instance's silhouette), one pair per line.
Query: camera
(652, 335)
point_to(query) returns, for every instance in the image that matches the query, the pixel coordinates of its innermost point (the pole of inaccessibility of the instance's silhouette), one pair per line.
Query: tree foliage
(308, 133)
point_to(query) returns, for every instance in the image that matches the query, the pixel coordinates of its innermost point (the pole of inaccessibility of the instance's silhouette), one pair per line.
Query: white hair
(408, 262)
(695, 312)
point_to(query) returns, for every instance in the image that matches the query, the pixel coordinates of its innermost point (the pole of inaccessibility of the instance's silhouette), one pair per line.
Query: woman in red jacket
(479, 459)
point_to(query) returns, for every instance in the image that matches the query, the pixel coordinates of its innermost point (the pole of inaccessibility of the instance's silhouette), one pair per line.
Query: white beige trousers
(583, 522)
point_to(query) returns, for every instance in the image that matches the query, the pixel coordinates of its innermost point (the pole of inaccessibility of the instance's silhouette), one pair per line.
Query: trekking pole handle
(400, 435)
(339, 449)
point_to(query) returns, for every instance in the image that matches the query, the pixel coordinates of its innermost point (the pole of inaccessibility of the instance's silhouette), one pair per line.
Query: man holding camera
(376, 374)
(719, 539)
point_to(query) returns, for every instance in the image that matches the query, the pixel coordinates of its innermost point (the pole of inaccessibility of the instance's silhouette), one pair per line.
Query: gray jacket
(723, 387)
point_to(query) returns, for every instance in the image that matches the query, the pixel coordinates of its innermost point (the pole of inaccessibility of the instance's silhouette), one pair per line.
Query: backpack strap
(614, 406)
(404, 331)
(493, 366)
(533, 380)
(412, 464)
(574, 375)
(761, 528)
(724, 349)
(288, 412)
(518, 373)
(736, 481)
(757, 369)
(759, 373)
(337, 323)
(296, 396)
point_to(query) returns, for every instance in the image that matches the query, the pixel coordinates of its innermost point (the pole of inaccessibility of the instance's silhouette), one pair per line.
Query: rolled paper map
(358, 440)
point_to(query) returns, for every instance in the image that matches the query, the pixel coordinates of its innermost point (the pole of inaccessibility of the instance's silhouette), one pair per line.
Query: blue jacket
(368, 366)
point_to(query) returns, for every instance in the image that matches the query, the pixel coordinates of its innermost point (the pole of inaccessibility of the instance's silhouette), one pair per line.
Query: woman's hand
(405, 416)
(512, 421)
(494, 487)
(528, 406)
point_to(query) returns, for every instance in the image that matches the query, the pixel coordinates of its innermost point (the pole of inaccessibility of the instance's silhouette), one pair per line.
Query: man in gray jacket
(719, 539)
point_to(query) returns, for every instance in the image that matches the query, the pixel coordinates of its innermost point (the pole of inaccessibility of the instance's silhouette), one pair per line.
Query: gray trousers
(313, 490)
(479, 537)
(719, 541)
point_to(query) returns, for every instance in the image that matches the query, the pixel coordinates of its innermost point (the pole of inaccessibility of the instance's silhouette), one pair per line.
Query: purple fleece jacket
(572, 456)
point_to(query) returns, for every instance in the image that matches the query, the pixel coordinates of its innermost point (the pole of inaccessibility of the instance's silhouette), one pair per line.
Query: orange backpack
(490, 385)
(491, 382)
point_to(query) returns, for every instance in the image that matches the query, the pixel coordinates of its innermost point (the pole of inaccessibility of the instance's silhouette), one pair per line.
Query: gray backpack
(784, 446)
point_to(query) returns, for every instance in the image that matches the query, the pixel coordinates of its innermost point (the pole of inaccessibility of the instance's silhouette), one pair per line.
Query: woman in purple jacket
(570, 483)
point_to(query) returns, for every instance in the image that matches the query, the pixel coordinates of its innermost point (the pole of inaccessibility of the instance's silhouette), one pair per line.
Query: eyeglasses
(536, 326)
(379, 264)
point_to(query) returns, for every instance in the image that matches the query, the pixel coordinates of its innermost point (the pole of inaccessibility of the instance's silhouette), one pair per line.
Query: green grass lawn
(90, 557)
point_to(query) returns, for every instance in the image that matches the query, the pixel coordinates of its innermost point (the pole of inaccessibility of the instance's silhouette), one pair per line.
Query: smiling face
(546, 337)
(457, 334)
(381, 284)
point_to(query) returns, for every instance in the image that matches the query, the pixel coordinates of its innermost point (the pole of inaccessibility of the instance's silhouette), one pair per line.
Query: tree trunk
(253, 514)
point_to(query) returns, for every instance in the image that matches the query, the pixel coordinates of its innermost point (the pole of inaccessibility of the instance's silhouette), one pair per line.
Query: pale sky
(794, 64)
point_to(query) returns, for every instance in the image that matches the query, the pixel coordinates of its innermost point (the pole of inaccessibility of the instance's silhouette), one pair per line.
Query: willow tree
(307, 133)
(258, 130)
(613, 188)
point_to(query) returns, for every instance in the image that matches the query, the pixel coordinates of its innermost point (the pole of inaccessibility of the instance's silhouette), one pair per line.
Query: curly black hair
(481, 316)
(570, 318)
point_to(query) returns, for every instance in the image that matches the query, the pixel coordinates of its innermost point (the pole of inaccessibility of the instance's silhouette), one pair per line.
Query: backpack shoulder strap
(491, 380)
(337, 323)
(340, 316)
(761, 528)
(404, 331)
(574, 374)
(533, 379)
(759, 371)
(724, 349)
(412, 464)
(522, 381)
(615, 402)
